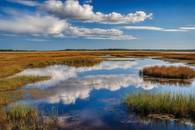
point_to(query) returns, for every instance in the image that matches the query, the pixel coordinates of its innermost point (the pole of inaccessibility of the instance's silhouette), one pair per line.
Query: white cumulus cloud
(53, 18)
(38, 25)
(33, 24)
(72, 9)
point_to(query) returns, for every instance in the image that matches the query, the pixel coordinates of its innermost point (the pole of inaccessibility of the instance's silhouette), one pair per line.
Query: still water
(91, 98)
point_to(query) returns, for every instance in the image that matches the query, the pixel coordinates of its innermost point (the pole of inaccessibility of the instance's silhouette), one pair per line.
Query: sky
(97, 24)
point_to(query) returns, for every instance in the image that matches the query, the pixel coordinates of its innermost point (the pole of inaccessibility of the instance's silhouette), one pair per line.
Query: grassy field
(178, 105)
(170, 72)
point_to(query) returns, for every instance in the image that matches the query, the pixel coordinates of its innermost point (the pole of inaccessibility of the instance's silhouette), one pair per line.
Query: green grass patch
(181, 106)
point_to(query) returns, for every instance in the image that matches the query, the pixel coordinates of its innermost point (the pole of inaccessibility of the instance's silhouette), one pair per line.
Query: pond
(91, 98)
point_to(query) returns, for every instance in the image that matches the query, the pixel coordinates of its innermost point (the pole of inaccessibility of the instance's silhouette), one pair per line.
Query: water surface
(91, 98)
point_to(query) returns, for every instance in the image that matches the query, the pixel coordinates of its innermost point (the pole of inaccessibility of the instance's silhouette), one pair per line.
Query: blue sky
(96, 24)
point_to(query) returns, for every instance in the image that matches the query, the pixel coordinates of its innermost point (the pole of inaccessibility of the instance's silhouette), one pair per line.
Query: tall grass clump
(22, 117)
(173, 72)
(181, 106)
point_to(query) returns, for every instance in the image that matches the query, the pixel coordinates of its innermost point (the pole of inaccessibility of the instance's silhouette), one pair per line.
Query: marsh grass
(13, 62)
(170, 72)
(8, 70)
(181, 106)
(70, 61)
(9, 92)
(7, 84)
(22, 117)
(8, 97)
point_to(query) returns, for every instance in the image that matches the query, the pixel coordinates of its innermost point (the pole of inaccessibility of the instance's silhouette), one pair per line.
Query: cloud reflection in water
(71, 90)
(60, 73)
(67, 86)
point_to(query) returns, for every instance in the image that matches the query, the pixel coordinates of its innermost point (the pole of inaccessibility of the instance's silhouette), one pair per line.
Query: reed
(19, 118)
(181, 106)
(22, 117)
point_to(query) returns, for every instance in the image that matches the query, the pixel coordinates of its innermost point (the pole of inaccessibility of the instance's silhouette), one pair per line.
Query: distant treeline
(185, 50)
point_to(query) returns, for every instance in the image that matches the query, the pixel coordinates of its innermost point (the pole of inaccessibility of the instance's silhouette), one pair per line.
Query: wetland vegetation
(175, 105)
(7, 84)
(169, 72)
(21, 117)
(25, 117)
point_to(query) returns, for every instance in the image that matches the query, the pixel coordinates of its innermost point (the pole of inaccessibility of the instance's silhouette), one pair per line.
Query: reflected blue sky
(92, 97)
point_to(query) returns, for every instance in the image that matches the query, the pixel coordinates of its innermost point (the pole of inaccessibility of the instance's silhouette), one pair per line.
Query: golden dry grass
(7, 84)
(13, 62)
(170, 72)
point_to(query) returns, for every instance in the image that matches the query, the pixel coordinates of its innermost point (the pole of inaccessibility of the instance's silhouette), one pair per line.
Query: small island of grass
(176, 105)
(169, 72)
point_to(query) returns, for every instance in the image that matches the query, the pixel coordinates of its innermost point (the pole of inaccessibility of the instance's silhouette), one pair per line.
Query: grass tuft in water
(181, 106)
(22, 117)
